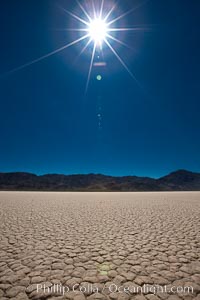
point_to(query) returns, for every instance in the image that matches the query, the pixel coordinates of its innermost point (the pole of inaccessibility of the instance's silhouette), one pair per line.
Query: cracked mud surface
(84, 239)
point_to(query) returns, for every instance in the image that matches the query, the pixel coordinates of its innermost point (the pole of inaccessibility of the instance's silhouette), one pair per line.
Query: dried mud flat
(97, 240)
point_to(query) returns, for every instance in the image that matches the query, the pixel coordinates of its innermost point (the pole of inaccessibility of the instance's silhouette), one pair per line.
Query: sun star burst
(100, 30)
(97, 27)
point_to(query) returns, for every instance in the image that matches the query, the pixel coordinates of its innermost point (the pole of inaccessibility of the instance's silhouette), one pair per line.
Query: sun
(97, 30)
(97, 26)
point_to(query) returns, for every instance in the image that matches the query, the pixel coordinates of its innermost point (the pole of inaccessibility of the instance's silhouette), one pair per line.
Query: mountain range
(180, 180)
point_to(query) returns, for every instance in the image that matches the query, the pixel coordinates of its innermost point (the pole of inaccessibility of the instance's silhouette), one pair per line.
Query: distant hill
(180, 180)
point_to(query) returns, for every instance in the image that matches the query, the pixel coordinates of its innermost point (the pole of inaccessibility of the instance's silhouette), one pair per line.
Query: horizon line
(102, 174)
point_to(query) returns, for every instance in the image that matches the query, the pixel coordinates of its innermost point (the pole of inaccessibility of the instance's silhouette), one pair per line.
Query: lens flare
(99, 77)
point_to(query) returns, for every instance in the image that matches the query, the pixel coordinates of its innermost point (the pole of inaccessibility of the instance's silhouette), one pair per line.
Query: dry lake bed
(143, 246)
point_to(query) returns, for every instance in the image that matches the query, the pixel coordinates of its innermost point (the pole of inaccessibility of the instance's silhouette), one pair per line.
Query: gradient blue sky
(48, 124)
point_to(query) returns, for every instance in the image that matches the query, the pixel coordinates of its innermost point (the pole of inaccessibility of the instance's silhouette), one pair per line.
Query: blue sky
(49, 125)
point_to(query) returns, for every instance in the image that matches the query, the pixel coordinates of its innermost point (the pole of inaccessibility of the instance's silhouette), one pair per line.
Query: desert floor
(99, 245)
